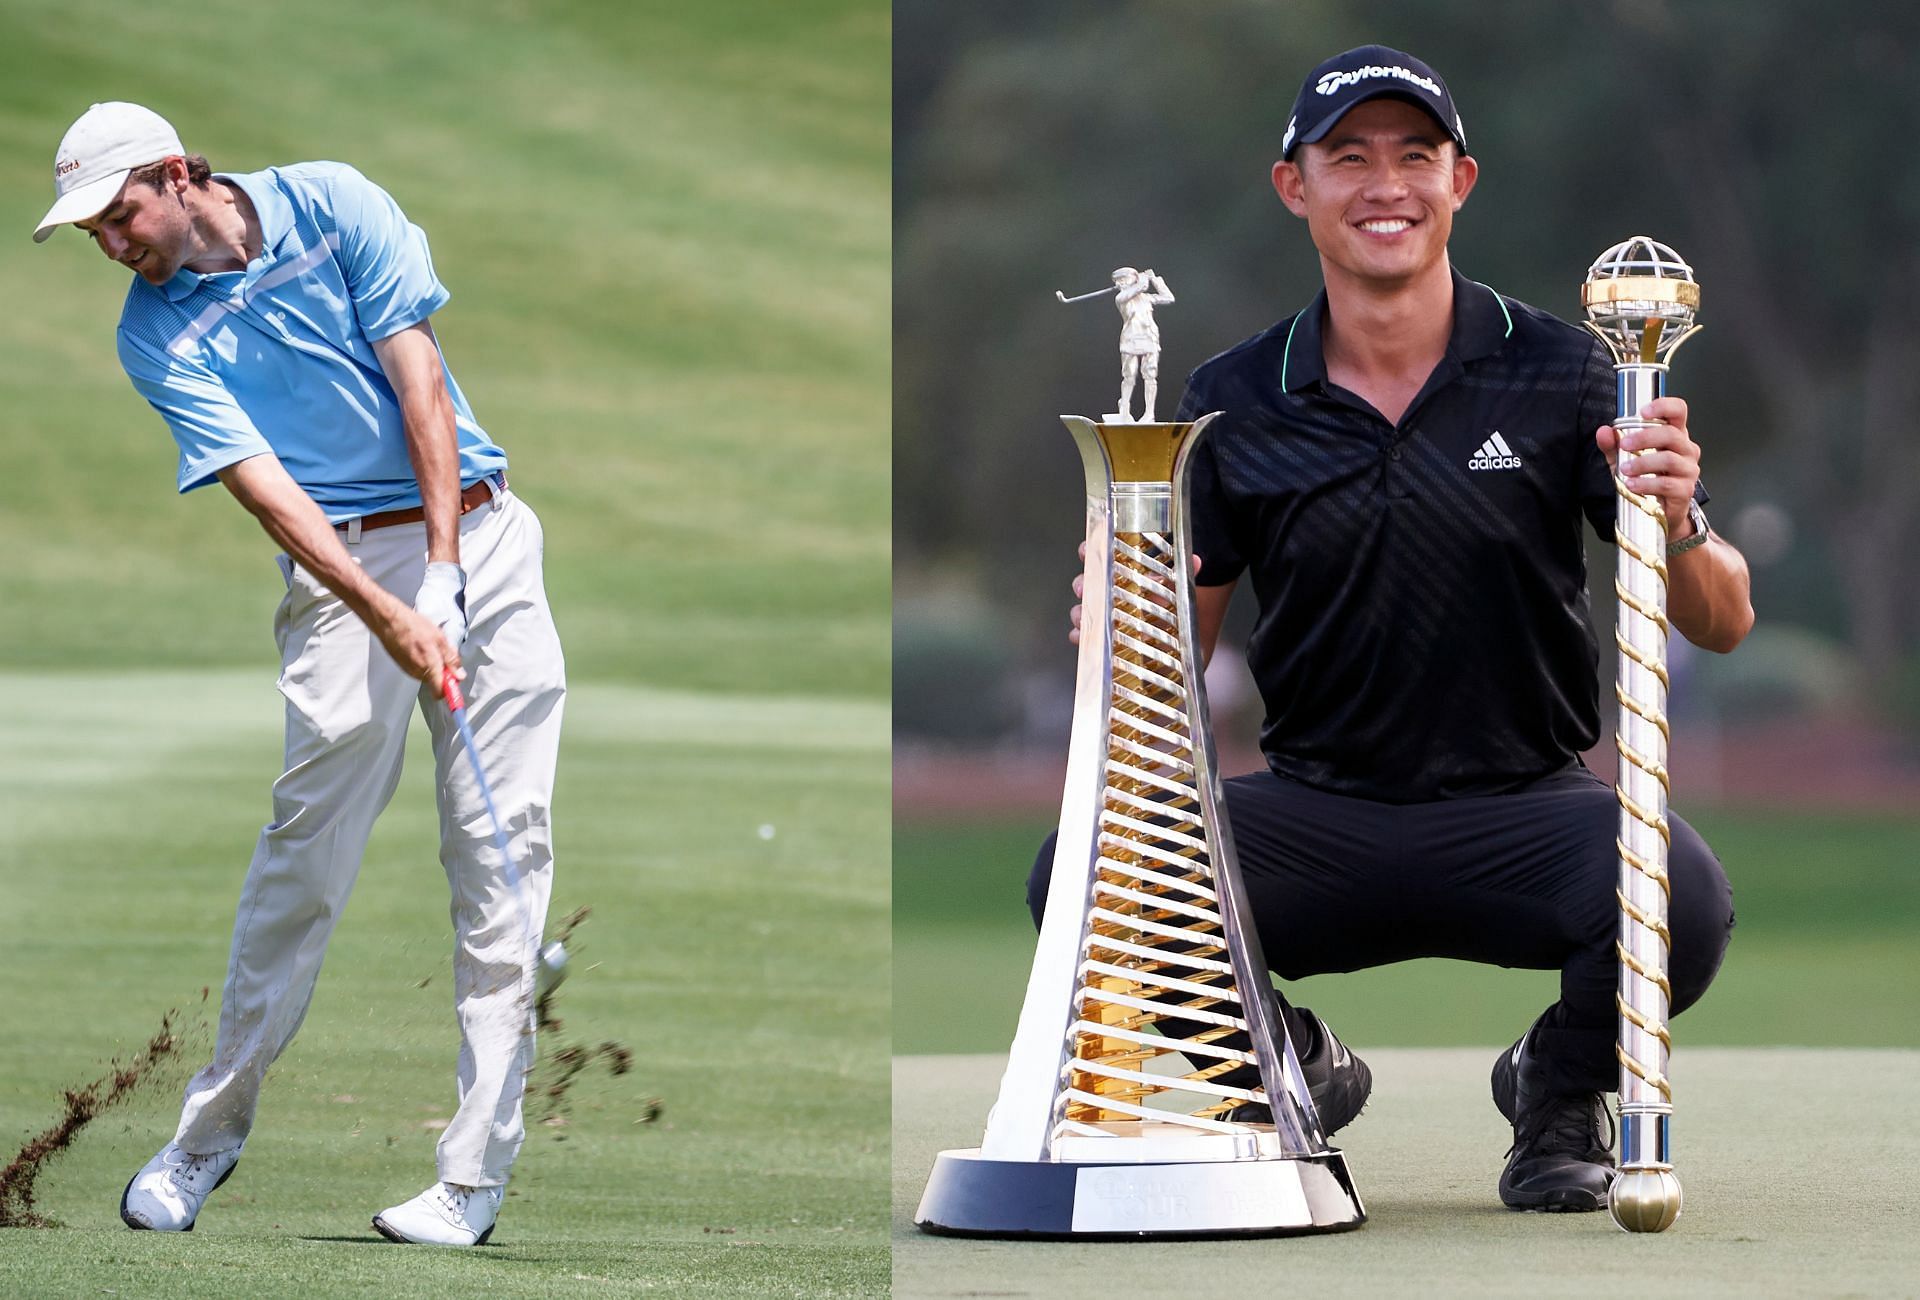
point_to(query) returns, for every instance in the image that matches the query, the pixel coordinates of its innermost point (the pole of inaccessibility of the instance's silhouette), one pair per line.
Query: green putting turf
(131, 803)
(1794, 1164)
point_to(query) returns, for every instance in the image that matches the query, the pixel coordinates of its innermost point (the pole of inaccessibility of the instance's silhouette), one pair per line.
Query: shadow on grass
(371, 1239)
(494, 1252)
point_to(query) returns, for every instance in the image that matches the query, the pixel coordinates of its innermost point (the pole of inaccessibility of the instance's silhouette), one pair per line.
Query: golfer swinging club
(1137, 293)
(278, 322)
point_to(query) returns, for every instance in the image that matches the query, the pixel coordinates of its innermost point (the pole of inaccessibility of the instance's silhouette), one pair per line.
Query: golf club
(1061, 294)
(552, 959)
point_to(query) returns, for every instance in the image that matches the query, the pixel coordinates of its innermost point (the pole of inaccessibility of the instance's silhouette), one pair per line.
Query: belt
(470, 500)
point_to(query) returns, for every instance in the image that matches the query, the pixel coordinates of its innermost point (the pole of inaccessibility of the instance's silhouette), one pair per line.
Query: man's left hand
(1663, 462)
(443, 600)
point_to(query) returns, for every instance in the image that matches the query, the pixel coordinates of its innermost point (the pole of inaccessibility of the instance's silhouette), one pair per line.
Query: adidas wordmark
(1494, 454)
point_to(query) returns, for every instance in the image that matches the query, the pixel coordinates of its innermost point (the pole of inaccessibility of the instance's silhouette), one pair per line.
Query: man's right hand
(417, 644)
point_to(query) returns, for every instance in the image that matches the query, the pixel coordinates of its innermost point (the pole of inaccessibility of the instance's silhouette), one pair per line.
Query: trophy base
(970, 1196)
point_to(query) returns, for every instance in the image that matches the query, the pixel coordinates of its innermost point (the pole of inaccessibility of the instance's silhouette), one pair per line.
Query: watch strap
(1701, 532)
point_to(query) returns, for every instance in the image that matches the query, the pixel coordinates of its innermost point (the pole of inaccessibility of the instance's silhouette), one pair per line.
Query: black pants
(1521, 880)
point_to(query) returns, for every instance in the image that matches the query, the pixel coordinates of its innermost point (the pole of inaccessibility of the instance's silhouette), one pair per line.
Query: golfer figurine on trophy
(1151, 1090)
(1137, 294)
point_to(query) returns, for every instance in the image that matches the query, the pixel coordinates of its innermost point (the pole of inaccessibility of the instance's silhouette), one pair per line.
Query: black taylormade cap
(1370, 72)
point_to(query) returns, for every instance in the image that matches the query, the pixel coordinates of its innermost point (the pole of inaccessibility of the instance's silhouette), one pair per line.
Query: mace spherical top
(1636, 284)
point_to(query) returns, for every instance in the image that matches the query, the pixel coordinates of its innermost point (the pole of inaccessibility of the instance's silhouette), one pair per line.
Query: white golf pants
(348, 708)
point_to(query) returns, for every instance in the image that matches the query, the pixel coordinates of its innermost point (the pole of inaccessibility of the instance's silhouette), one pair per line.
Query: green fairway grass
(1764, 1213)
(131, 802)
(1826, 909)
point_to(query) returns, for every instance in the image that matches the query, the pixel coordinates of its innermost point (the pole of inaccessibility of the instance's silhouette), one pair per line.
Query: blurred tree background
(1037, 146)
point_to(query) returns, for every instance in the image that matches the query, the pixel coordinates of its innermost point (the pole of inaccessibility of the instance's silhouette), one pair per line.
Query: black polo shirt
(1424, 629)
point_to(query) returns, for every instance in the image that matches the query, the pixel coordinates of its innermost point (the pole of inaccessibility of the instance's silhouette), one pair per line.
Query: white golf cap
(95, 156)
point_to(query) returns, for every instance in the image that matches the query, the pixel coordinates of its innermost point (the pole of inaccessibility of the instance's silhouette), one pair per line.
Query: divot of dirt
(564, 1062)
(82, 1106)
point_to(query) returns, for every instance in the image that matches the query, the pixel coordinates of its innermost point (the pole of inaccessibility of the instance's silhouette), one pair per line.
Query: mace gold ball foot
(1645, 1200)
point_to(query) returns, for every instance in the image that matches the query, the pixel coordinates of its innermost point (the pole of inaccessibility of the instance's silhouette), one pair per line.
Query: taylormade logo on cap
(1336, 85)
(1332, 81)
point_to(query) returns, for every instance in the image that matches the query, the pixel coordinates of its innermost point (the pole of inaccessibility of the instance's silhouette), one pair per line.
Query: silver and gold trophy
(1151, 1090)
(1641, 300)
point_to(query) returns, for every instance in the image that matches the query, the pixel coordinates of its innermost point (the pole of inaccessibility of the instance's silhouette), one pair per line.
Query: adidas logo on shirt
(1494, 454)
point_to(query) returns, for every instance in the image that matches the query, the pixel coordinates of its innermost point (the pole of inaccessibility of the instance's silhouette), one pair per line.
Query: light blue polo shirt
(279, 357)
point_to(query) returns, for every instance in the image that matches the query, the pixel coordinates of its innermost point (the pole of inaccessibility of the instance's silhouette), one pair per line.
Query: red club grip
(450, 689)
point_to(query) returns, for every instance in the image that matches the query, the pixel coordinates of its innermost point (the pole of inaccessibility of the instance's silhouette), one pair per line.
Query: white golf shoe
(446, 1214)
(167, 1194)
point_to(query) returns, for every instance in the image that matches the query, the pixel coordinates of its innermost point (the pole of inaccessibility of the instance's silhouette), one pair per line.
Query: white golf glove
(443, 600)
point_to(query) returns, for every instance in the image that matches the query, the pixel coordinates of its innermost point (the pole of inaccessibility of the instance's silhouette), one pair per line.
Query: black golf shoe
(1562, 1152)
(1338, 1081)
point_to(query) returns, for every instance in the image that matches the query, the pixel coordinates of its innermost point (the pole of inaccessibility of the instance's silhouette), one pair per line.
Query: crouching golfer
(1401, 471)
(278, 322)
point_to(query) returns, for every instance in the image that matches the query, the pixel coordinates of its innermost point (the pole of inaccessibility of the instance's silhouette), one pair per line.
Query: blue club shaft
(457, 706)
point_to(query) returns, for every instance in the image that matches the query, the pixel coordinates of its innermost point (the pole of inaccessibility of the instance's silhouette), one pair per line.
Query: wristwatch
(1700, 531)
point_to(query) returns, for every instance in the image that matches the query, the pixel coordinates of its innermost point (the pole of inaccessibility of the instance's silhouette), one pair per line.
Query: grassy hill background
(666, 232)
